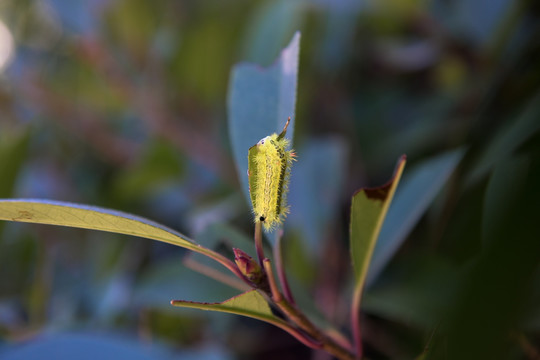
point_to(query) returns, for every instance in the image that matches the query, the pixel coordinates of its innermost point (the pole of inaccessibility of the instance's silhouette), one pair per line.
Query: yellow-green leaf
(250, 304)
(91, 217)
(368, 210)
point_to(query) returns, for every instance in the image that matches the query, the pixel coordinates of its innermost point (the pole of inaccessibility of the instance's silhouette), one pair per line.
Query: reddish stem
(280, 267)
(259, 243)
(355, 322)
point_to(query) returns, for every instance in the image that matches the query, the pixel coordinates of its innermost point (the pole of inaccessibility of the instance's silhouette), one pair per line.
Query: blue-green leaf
(315, 191)
(264, 39)
(91, 217)
(260, 101)
(417, 191)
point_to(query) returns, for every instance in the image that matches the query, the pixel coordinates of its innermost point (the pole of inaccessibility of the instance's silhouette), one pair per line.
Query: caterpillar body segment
(269, 167)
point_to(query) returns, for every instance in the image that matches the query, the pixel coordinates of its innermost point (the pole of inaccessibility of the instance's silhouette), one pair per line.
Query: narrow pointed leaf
(251, 304)
(91, 217)
(418, 189)
(264, 39)
(368, 210)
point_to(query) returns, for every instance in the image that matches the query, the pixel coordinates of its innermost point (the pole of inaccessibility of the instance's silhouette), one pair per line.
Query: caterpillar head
(264, 140)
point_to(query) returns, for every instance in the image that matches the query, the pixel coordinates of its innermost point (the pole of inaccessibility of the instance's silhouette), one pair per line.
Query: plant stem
(314, 337)
(280, 267)
(258, 243)
(355, 321)
(307, 332)
(299, 319)
(215, 274)
(276, 295)
(225, 262)
(328, 344)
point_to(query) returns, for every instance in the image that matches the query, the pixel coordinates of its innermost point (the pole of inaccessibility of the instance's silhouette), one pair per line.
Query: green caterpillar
(269, 168)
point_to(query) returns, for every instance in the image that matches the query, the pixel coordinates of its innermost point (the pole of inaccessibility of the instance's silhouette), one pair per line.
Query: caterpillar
(269, 168)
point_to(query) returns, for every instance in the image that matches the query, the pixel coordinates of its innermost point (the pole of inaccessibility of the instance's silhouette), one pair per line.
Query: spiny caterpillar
(269, 168)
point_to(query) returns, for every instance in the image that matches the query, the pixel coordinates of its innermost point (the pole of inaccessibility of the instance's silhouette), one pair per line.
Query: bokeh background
(122, 104)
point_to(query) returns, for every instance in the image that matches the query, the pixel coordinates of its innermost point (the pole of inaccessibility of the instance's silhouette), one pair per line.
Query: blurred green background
(122, 104)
